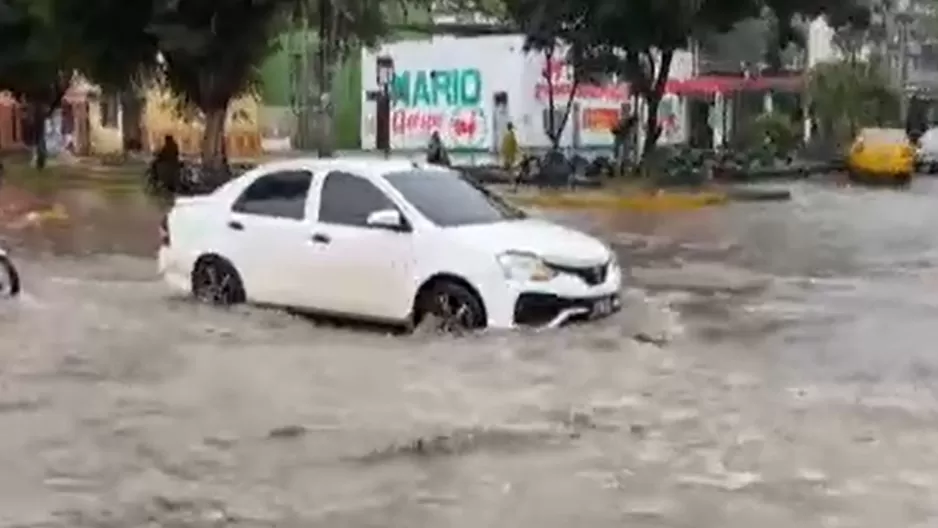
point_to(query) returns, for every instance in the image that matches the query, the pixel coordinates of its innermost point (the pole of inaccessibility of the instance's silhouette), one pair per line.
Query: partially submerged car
(882, 156)
(9, 276)
(385, 240)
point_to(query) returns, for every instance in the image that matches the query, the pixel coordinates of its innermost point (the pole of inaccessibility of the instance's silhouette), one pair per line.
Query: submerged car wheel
(9, 278)
(216, 281)
(454, 308)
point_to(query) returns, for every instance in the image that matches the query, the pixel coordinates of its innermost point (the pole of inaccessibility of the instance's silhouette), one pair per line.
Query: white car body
(928, 151)
(373, 272)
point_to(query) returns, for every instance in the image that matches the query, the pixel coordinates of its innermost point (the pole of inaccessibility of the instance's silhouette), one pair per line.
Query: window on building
(110, 105)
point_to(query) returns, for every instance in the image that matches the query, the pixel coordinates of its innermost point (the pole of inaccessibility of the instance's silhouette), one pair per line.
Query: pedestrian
(165, 168)
(436, 152)
(509, 148)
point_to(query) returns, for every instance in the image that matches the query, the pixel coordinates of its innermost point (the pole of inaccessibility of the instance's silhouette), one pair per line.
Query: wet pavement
(796, 387)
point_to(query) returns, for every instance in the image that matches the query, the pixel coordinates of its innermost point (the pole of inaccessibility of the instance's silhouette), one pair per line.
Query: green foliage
(634, 41)
(111, 38)
(847, 96)
(771, 135)
(211, 48)
(36, 62)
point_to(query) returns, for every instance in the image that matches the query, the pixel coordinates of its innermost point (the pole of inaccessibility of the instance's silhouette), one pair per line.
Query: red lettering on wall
(611, 92)
(407, 122)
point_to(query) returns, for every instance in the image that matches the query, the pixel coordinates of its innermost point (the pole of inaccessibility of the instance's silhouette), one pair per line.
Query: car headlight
(522, 266)
(613, 260)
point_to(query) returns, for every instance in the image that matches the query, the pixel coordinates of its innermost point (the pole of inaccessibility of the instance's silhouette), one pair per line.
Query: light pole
(384, 70)
(903, 21)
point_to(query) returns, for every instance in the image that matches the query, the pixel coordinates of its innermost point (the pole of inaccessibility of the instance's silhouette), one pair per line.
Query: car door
(361, 270)
(269, 231)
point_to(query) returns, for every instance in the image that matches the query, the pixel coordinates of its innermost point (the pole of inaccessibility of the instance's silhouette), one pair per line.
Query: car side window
(348, 200)
(278, 194)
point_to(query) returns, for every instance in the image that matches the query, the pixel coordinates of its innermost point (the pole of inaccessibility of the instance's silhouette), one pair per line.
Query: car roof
(369, 167)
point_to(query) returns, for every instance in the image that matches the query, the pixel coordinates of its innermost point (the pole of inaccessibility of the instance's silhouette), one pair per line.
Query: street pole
(903, 19)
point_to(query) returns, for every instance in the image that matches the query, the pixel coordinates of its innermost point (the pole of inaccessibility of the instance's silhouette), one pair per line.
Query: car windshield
(884, 135)
(449, 199)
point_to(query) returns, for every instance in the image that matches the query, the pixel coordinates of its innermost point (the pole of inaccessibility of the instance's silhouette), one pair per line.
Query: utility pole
(904, 22)
(898, 22)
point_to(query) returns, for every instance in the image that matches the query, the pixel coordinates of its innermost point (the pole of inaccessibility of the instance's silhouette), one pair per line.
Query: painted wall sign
(561, 80)
(457, 87)
(447, 101)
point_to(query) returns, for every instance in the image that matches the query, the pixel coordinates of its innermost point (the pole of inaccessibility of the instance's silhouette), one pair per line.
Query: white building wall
(503, 66)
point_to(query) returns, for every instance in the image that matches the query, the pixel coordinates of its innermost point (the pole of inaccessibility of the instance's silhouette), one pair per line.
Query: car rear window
(884, 135)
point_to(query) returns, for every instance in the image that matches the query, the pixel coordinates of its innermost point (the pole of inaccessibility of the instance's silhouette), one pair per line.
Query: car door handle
(237, 226)
(320, 238)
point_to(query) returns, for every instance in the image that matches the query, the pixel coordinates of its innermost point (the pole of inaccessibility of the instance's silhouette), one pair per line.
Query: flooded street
(796, 387)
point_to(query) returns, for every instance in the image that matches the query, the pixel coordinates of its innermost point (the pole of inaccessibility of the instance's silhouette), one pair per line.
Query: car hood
(552, 242)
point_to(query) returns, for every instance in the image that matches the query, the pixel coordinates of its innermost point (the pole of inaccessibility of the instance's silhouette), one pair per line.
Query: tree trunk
(131, 124)
(214, 157)
(325, 72)
(551, 126)
(323, 121)
(566, 114)
(39, 115)
(653, 101)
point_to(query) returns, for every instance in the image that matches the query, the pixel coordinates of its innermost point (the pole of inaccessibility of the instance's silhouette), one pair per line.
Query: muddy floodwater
(791, 383)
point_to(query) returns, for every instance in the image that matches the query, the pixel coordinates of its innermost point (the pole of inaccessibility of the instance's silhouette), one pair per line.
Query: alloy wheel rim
(215, 285)
(454, 314)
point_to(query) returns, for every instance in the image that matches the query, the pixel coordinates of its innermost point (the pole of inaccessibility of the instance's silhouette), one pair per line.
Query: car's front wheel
(451, 306)
(9, 278)
(216, 281)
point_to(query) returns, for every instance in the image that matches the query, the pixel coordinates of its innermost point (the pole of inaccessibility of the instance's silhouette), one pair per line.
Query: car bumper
(175, 270)
(548, 304)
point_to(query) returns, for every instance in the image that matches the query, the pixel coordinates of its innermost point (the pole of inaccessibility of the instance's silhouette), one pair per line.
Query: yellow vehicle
(881, 156)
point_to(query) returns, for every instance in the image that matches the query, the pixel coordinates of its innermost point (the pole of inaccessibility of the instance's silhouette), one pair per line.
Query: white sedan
(383, 240)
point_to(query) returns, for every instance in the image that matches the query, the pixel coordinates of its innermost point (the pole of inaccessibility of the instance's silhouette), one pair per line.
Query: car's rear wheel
(215, 281)
(452, 307)
(9, 278)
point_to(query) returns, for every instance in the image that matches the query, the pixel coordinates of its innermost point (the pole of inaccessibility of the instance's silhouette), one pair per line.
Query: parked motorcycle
(9, 276)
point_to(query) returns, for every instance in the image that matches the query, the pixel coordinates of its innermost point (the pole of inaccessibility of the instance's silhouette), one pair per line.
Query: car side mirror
(389, 219)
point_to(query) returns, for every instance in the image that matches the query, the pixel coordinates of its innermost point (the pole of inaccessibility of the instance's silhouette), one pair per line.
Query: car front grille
(591, 275)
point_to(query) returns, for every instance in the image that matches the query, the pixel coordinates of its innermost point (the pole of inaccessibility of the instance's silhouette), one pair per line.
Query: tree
(549, 27)
(116, 51)
(846, 96)
(787, 13)
(342, 27)
(637, 40)
(210, 51)
(36, 62)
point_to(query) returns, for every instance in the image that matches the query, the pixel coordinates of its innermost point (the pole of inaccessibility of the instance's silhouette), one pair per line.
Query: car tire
(9, 278)
(454, 307)
(215, 281)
